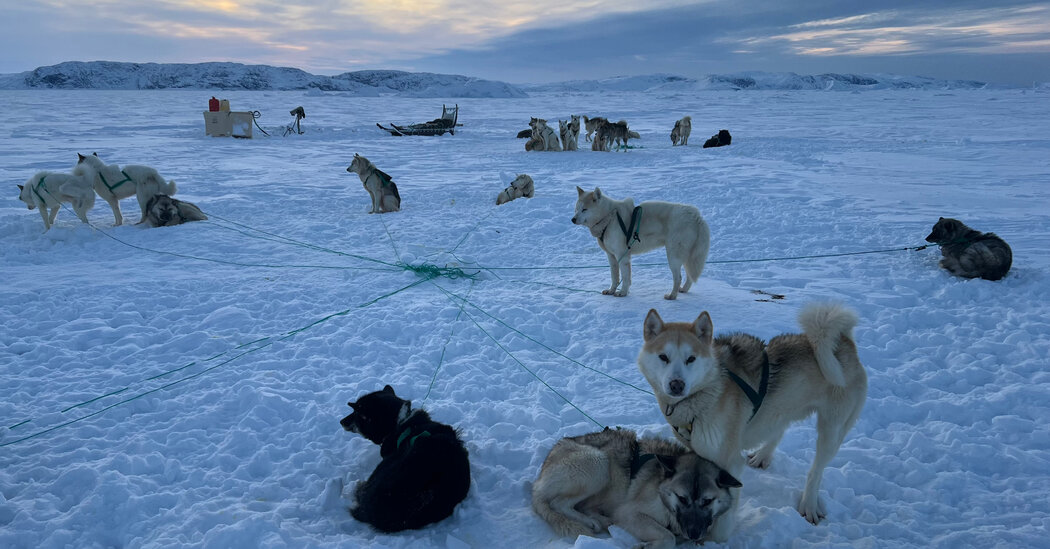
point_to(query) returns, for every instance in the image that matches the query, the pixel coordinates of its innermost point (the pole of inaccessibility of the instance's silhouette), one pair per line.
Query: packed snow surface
(182, 386)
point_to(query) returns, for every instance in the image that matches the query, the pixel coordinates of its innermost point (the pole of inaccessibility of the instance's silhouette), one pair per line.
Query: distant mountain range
(109, 75)
(757, 81)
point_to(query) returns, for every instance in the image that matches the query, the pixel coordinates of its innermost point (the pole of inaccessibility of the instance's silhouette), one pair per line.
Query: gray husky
(657, 490)
(969, 253)
(165, 211)
(680, 132)
(570, 133)
(733, 393)
(623, 230)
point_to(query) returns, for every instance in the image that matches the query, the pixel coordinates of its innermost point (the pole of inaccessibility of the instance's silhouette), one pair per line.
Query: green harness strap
(631, 234)
(756, 398)
(119, 183)
(411, 441)
(36, 190)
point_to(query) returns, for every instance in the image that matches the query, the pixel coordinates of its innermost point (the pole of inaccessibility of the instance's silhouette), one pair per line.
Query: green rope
(530, 338)
(296, 242)
(441, 359)
(511, 355)
(268, 342)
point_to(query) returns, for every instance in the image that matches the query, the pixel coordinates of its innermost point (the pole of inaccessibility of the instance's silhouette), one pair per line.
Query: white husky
(112, 183)
(733, 393)
(623, 230)
(544, 138)
(49, 190)
(522, 186)
(570, 133)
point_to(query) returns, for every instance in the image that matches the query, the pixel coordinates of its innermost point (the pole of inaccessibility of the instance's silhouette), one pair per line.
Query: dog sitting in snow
(969, 253)
(544, 138)
(521, 186)
(425, 470)
(381, 188)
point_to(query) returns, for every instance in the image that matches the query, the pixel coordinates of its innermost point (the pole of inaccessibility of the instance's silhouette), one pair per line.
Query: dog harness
(119, 183)
(411, 441)
(756, 397)
(631, 234)
(36, 190)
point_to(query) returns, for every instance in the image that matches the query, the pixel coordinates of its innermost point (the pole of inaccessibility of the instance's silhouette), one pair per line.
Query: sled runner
(438, 126)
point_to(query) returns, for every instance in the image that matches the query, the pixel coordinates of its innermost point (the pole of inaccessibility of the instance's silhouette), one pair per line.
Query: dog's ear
(668, 464)
(96, 154)
(20, 189)
(703, 328)
(580, 192)
(597, 193)
(652, 326)
(388, 389)
(940, 219)
(80, 158)
(352, 405)
(725, 480)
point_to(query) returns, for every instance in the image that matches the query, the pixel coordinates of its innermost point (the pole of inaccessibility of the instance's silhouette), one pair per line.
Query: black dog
(425, 470)
(969, 253)
(721, 139)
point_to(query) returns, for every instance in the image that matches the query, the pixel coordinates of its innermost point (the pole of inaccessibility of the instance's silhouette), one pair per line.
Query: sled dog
(113, 183)
(49, 190)
(623, 230)
(657, 490)
(732, 393)
(570, 133)
(165, 211)
(615, 132)
(425, 470)
(969, 253)
(521, 186)
(381, 188)
(592, 124)
(680, 132)
(543, 137)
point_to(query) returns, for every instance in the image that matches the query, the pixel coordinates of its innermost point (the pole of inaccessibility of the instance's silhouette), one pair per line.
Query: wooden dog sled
(438, 126)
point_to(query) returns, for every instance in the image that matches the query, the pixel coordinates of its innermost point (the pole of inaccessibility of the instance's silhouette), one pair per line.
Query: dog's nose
(676, 387)
(574, 221)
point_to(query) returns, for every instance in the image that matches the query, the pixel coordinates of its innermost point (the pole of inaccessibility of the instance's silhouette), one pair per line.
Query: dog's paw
(610, 291)
(759, 462)
(812, 510)
(620, 293)
(671, 296)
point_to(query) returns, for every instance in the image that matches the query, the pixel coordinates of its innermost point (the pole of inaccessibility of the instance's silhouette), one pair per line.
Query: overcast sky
(544, 40)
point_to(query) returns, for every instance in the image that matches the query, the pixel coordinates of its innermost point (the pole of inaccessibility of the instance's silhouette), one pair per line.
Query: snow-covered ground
(182, 386)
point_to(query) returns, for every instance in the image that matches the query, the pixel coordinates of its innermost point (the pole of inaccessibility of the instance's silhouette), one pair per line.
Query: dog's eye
(683, 500)
(664, 358)
(706, 501)
(690, 360)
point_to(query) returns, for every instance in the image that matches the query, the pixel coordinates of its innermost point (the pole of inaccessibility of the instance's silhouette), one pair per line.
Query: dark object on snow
(721, 140)
(294, 126)
(525, 134)
(437, 126)
(969, 253)
(425, 470)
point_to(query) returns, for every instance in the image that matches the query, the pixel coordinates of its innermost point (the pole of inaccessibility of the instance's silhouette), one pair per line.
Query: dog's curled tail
(168, 188)
(824, 325)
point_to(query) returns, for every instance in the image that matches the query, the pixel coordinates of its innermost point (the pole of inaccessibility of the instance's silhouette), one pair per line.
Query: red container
(213, 105)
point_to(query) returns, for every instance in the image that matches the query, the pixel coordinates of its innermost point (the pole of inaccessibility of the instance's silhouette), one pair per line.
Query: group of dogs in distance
(90, 176)
(607, 135)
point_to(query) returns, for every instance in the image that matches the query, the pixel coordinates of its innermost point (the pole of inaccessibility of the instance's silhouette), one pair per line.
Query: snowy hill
(756, 81)
(235, 76)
